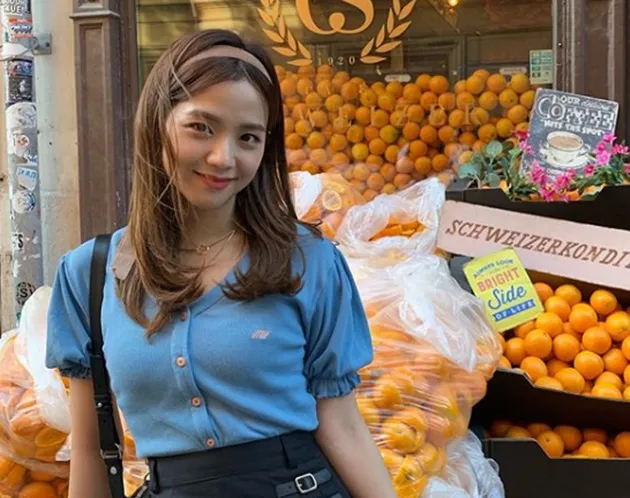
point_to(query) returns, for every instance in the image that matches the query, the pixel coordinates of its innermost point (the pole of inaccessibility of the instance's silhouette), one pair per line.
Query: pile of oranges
(384, 136)
(576, 345)
(567, 441)
(16, 481)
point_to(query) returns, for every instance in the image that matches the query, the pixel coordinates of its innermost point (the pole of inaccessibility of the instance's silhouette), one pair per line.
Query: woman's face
(219, 139)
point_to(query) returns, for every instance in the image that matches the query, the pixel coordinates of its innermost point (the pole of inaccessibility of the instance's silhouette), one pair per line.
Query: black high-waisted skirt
(288, 466)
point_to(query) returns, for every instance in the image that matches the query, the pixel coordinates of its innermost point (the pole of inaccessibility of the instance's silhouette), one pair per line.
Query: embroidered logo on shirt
(260, 334)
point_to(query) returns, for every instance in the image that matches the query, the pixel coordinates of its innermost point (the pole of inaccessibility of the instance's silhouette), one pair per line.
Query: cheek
(250, 164)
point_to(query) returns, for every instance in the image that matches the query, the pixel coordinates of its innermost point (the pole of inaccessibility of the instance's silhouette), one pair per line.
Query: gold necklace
(205, 248)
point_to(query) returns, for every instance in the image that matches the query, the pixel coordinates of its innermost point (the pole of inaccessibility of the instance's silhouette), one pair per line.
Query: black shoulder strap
(111, 449)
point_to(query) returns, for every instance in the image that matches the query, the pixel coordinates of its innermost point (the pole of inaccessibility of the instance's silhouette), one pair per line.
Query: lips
(214, 182)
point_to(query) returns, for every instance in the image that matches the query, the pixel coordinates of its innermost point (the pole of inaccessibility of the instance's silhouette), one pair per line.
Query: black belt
(303, 484)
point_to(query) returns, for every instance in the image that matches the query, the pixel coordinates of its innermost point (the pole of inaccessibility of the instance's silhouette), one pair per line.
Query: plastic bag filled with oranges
(395, 227)
(34, 409)
(324, 199)
(135, 469)
(433, 354)
(16, 481)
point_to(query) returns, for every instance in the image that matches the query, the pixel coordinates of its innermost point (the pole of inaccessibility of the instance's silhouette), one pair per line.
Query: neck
(208, 226)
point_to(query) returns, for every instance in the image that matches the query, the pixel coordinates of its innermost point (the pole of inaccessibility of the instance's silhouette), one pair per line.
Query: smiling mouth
(215, 182)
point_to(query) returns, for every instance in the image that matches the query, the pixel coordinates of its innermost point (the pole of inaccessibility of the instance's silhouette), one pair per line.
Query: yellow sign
(501, 282)
(373, 52)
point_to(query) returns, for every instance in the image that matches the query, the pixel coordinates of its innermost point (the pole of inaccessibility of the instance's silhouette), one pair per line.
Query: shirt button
(196, 401)
(183, 316)
(181, 361)
(211, 443)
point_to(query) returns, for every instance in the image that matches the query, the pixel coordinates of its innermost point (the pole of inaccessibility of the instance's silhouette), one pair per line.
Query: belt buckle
(305, 483)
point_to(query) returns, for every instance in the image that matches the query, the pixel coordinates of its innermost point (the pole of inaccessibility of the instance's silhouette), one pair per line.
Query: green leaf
(493, 180)
(493, 149)
(469, 170)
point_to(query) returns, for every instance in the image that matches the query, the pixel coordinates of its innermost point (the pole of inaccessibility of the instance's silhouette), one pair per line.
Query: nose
(222, 153)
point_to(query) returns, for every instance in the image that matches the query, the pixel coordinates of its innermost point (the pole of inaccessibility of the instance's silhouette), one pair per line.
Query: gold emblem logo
(373, 52)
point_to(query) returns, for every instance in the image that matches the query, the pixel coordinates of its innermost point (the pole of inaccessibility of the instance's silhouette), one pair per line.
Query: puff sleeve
(68, 341)
(338, 336)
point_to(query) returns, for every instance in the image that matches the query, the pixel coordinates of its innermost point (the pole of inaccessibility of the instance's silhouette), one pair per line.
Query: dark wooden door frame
(106, 89)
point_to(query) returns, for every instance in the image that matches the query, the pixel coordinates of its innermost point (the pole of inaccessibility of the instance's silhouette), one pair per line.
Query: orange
(363, 116)
(411, 131)
(484, 74)
(429, 101)
(355, 135)
(475, 85)
(518, 114)
(618, 325)
(372, 132)
(488, 101)
(596, 339)
(537, 429)
(293, 141)
(551, 443)
(360, 152)
(565, 347)
(338, 142)
(610, 378)
(380, 118)
(428, 134)
(519, 83)
(504, 362)
(38, 489)
(349, 91)
(431, 459)
(387, 393)
(438, 117)
(515, 350)
(508, 98)
(570, 293)
(325, 88)
(368, 411)
(517, 432)
(622, 444)
(543, 290)
(571, 379)
(549, 383)
(625, 347)
(440, 163)
(447, 101)
(505, 128)
(360, 172)
(589, 364)
(571, 437)
(593, 449)
(411, 93)
(423, 165)
(500, 428)
(583, 317)
(598, 435)
(348, 111)
(487, 133)
(304, 86)
(400, 436)
(606, 390)
(453, 150)
(340, 159)
(555, 365)
(465, 101)
(615, 361)
(496, 83)
(375, 181)
(550, 323)
(314, 101)
(457, 118)
(528, 98)
(288, 87)
(460, 87)
(319, 119)
(415, 113)
(438, 84)
(534, 367)
(391, 153)
(603, 302)
(404, 165)
(626, 375)
(341, 125)
(402, 180)
(446, 134)
(303, 128)
(558, 306)
(538, 343)
(377, 146)
(389, 188)
(316, 140)
(417, 149)
(389, 134)
(386, 101)
(465, 157)
(479, 116)
(524, 329)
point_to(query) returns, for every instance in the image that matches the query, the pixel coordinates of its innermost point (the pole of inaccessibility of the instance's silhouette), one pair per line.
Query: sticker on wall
(541, 67)
(20, 81)
(23, 202)
(17, 240)
(21, 115)
(27, 178)
(14, 7)
(23, 290)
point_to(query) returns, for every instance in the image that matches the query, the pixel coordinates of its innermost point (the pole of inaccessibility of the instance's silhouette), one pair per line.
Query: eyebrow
(208, 116)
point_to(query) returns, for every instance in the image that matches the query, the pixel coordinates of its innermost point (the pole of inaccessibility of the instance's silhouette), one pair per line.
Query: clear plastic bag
(395, 227)
(433, 353)
(323, 199)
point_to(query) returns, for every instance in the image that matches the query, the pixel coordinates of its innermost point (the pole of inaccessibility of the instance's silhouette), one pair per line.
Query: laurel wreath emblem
(373, 52)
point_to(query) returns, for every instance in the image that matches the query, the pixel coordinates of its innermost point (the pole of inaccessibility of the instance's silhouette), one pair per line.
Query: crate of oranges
(433, 353)
(384, 136)
(559, 461)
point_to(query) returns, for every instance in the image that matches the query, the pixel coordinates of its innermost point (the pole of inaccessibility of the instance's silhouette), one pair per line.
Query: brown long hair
(264, 209)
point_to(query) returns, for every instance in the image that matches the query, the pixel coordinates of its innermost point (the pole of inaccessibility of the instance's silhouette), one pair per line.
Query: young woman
(232, 332)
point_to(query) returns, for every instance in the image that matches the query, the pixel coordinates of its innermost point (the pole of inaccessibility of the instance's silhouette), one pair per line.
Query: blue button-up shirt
(223, 372)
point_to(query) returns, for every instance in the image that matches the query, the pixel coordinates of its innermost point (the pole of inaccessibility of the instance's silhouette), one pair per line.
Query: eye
(200, 128)
(250, 138)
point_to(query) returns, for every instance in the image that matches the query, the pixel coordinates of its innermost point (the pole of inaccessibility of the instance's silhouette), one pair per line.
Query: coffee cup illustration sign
(386, 39)
(565, 129)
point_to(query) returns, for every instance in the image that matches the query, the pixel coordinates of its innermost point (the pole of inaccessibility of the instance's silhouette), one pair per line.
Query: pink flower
(627, 168)
(589, 170)
(527, 149)
(563, 182)
(538, 174)
(547, 193)
(603, 157)
(620, 149)
(609, 138)
(522, 135)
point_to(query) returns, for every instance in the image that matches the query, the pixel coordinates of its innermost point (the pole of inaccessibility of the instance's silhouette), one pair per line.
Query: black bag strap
(111, 449)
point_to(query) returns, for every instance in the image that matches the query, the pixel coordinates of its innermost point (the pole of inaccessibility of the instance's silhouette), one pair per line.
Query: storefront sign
(573, 250)
(541, 67)
(502, 283)
(374, 51)
(565, 128)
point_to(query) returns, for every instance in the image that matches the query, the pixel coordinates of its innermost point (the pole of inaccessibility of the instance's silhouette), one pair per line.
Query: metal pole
(21, 132)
